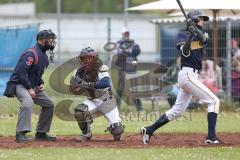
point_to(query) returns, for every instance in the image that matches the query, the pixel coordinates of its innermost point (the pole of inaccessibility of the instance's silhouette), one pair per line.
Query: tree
(81, 6)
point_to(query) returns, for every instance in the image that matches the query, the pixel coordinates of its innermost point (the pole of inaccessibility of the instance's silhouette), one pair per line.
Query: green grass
(227, 122)
(197, 123)
(221, 153)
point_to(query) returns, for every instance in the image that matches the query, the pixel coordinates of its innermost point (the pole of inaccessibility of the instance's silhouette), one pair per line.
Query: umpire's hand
(32, 93)
(41, 87)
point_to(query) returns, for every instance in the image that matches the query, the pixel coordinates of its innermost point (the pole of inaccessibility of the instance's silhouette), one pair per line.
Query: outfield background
(87, 23)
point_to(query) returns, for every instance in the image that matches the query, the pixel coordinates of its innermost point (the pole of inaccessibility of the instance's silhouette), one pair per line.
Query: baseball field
(181, 139)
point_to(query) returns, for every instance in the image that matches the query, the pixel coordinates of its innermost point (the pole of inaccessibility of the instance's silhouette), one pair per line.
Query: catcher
(93, 81)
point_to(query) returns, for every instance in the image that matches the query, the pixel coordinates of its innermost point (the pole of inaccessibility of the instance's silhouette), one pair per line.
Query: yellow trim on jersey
(196, 45)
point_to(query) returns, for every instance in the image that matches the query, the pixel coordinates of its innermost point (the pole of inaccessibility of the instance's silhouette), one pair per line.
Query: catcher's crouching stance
(92, 79)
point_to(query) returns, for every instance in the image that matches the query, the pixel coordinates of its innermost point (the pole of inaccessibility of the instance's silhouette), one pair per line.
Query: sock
(159, 123)
(212, 120)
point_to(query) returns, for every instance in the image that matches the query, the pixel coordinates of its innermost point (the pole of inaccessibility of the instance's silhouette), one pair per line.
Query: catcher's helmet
(87, 58)
(196, 14)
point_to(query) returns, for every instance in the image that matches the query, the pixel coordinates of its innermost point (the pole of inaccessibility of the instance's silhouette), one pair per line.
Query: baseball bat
(182, 9)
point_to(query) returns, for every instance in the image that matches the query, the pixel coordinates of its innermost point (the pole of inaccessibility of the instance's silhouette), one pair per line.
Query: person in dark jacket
(127, 52)
(30, 88)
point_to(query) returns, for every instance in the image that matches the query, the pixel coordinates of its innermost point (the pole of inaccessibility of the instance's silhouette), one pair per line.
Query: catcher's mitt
(78, 86)
(76, 89)
(75, 80)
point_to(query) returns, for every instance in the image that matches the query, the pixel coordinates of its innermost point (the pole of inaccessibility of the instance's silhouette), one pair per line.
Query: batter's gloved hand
(191, 30)
(190, 23)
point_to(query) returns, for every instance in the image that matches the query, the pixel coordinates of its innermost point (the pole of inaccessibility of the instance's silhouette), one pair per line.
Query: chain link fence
(226, 67)
(157, 42)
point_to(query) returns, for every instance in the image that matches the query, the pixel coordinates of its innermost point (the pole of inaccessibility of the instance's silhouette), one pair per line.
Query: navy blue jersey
(27, 72)
(127, 56)
(196, 52)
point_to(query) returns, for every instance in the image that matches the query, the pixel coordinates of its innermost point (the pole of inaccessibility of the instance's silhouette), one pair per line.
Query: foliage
(81, 6)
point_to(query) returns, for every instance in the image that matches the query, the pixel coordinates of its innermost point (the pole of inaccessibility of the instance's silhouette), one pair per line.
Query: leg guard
(84, 118)
(116, 129)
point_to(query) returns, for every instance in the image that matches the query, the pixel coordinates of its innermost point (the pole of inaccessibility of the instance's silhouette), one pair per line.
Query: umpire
(30, 88)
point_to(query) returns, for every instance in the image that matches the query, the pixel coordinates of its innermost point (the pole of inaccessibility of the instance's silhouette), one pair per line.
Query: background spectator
(172, 77)
(127, 53)
(236, 81)
(208, 76)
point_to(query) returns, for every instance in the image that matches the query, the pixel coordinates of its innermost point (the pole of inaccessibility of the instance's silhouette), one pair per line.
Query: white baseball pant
(191, 86)
(96, 106)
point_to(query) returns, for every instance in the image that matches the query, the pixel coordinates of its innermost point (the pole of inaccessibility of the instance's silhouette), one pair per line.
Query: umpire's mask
(50, 39)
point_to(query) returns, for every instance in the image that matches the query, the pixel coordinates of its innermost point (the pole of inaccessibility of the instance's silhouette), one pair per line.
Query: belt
(190, 69)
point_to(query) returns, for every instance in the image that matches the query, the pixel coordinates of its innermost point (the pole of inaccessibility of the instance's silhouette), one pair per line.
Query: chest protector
(92, 76)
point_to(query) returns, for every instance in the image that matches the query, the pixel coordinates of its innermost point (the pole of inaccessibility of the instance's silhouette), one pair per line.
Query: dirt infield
(128, 141)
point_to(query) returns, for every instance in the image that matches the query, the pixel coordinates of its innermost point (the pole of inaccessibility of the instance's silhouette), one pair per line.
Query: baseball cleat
(21, 137)
(146, 137)
(44, 137)
(117, 137)
(213, 140)
(84, 137)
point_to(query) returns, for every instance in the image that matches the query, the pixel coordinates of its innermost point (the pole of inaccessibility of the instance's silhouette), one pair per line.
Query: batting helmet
(196, 14)
(87, 58)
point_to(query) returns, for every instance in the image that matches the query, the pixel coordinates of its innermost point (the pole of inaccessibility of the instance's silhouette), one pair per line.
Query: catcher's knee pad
(116, 129)
(83, 117)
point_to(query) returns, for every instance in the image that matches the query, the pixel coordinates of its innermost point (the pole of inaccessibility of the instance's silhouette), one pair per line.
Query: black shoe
(146, 136)
(21, 137)
(44, 137)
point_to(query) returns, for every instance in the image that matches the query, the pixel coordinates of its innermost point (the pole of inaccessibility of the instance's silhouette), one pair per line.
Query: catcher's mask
(87, 58)
(50, 39)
